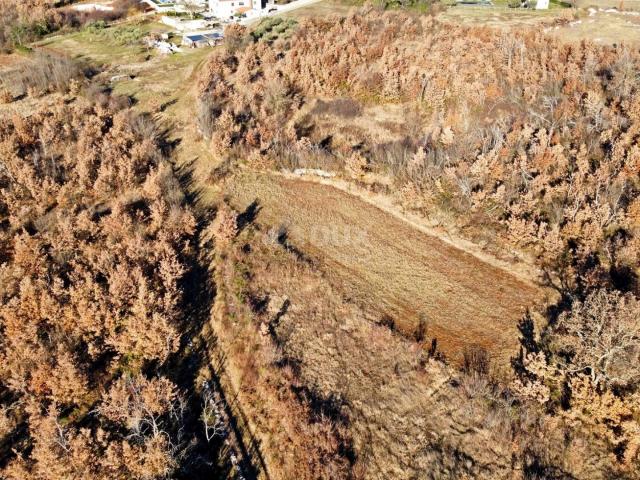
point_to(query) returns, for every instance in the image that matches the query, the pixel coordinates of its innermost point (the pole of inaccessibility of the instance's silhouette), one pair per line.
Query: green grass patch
(272, 28)
(123, 35)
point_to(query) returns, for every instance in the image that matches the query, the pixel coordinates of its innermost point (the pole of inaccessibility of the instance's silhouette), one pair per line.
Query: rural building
(228, 8)
(197, 40)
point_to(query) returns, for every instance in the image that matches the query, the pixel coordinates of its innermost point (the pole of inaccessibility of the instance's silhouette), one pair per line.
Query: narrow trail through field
(389, 267)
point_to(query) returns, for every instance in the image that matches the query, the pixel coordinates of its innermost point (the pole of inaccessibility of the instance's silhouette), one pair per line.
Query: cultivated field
(392, 268)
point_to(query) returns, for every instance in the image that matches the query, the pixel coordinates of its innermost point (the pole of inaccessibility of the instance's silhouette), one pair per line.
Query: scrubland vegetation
(516, 140)
(523, 133)
(160, 319)
(396, 409)
(42, 74)
(95, 243)
(299, 433)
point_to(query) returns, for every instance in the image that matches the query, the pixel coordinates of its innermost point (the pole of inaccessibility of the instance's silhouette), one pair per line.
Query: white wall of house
(227, 8)
(184, 24)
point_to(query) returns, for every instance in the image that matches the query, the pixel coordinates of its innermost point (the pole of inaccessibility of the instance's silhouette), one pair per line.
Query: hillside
(396, 272)
(517, 141)
(398, 240)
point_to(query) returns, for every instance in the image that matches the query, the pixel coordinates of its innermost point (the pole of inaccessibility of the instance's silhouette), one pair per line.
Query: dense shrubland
(94, 243)
(97, 359)
(521, 132)
(530, 140)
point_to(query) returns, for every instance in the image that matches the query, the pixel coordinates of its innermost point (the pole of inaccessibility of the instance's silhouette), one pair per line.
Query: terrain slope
(390, 267)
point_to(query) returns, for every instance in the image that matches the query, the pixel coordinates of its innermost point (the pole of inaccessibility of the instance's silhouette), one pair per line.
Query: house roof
(197, 37)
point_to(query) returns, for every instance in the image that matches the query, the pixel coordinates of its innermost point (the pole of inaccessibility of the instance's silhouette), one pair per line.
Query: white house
(228, 8)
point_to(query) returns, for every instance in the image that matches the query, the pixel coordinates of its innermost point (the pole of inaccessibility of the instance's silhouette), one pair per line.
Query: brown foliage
(299, 437)
(225, 226)
(43, 73)
(22, 21)
(235, 35)
(5, 95)
(602, 337)
(585, 372)
(92, 234)
(517, 132)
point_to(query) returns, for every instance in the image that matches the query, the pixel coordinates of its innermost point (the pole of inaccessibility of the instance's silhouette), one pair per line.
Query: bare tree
(212, 418)
(603, 335)
(192, 7)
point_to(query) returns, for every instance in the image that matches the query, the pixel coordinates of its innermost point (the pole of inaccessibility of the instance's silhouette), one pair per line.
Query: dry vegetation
(43, 72)
(292, 428)
(100, 375)
(23, 21)
(396, 410)
(409, 278)
(513, 139)
(529, 136)
(312, 335)
(95, 242)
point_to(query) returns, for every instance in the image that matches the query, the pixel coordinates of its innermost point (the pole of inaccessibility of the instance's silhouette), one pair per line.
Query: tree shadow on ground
(198, 352)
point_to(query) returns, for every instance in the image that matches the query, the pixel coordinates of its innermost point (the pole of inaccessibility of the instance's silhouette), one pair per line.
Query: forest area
(154, 326)
(98, 366)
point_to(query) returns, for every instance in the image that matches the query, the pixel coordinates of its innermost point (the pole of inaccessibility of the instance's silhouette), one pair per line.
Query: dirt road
(390, 267)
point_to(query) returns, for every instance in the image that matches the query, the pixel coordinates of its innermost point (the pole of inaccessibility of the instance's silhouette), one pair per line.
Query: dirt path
(386, 265)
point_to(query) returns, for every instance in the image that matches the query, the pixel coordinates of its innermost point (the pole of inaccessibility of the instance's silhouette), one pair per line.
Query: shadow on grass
(199, 351)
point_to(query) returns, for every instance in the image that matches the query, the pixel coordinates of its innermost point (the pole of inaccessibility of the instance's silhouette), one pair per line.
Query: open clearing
(323, 8)
(389, 267)
(604, 28)
(600, 27)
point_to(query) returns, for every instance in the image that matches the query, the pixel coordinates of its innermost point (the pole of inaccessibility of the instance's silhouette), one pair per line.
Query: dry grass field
(408, 416)
(155, 80)
(625, 4)
(323, 8)
(569, 25)
(392, 268)
(603, 28)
